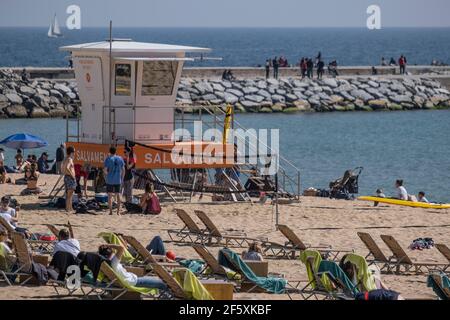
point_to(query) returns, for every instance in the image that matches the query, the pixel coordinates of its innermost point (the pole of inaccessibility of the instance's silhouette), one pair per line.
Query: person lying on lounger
(66, 243)
(10, 216)
(114, 253)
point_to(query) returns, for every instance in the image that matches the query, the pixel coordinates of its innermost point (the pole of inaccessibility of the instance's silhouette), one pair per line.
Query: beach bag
(155, 207)
(47, 237)
(60, 203)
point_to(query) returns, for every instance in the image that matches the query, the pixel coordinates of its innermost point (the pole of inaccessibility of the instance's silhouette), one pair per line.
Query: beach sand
(318, 221)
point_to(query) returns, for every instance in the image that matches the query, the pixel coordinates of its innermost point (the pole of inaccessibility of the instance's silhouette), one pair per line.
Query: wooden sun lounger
(23, 258)
(146, 256)
(174, 287)
(215, 237)
(55, 230)
(216, 269)
(438, 281)
(295, 244)
(190, 233)
(35, 245)
(375, 255)
(401, 259)
(445, 250)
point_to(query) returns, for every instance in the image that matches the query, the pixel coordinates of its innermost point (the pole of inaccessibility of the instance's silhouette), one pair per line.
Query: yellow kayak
(406, 203)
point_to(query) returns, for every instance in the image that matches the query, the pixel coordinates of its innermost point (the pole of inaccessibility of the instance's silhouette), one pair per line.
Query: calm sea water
(411, 145)
(242, 47)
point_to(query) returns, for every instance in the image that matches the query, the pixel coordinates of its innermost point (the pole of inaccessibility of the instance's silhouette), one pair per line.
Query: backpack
(155, 207)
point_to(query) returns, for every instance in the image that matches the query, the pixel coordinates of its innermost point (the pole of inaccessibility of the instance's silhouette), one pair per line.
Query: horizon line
(237, 27)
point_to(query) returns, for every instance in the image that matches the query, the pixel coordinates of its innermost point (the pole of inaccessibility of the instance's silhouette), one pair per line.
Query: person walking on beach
(68, 170)
(320, 69)
(267, 68)
(275, 66)
(402, 63)
(114, 170)
(59, 158)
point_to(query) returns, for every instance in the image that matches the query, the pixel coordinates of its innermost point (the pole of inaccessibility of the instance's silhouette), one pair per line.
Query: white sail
(54, 31)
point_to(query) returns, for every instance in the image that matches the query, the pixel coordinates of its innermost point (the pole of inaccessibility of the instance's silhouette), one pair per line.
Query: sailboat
(54, 31)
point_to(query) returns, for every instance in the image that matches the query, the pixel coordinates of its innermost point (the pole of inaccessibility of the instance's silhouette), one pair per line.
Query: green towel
(192, 287)
(270, 284)
(363, 275)
(194, 265)
(317, 259)
(334, 269)
(112, 238)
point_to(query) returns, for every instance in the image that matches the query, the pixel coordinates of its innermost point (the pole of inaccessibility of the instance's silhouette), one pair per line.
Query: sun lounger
(190, 233)
(266, 284)
(326, 279)
(402, 260)
(55, 230)
(214, 236)
(375, 255)
(215, 268)
(445, 250)
(24, 259)
(113, 238)
(174, 287)
(294, 244)
(440, 283)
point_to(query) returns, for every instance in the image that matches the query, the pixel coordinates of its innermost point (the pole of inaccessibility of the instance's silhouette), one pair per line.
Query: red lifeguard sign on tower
(128, 91)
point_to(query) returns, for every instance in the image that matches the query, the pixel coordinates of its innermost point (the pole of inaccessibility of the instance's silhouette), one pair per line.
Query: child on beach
(421, 197)
(254, 253)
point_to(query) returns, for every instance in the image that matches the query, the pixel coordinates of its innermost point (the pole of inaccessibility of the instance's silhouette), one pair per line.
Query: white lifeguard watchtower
(128, 91)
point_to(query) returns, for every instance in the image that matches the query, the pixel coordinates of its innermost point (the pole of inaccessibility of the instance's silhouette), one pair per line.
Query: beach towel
(334, 269)
(363, 275)
(112, 238)
(196, 266)
(317, 259)
(192, 287)
(270, 284)
(437, 287)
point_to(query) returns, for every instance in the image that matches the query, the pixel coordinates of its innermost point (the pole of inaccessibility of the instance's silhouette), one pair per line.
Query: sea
(242, 46)
(410, 145)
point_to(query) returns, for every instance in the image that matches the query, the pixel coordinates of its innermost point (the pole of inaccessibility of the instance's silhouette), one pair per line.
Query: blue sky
(228, 13)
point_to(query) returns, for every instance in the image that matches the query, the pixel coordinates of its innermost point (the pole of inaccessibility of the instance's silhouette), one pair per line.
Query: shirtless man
(68, 170)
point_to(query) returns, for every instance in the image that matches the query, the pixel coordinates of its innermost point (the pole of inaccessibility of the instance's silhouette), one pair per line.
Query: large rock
(361, 94)
(330, 82)
(28, 91)
(39, 113)
(291, 97)
(264, 94)
(230, 98)
(378, 104)
(235, 92)
(3, 101)
(273, 82)
(62, 88)
(261, 84)
(55, 93)
(302, 105)
(203, 87)
(14, 98)
(250, 90)
(278, 98)
(218, 87)
(209, 97)
(184, 95)
(254, 98)
(347, 96)
(278, 107)
(57, 112)
(16, 111)
(249, 105)
(400, 99)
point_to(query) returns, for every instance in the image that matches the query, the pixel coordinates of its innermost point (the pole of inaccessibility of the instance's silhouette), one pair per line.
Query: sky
(227, 13)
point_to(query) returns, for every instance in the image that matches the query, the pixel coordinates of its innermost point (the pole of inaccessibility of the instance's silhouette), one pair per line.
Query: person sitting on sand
(42, 163)
(150, 201)
(66, 243)
(31, 177)
(3, 175)
(421, 197)
(113, 253)
(254, 253)
(402, 194)
(19, 159)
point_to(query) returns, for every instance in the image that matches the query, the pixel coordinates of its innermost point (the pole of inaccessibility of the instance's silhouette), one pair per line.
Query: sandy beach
(318, 221)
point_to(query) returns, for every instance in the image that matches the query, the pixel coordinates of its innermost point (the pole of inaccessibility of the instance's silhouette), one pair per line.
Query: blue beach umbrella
(24, 141)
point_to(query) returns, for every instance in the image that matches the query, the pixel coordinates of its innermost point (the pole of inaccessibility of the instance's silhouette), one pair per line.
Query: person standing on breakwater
(383, 62)
(303, 67)
(59, 158)
(275, 66)
(320, 69)
(402, 63)
(68, 170)
(309, 68)
(267, 68)
(114, 170)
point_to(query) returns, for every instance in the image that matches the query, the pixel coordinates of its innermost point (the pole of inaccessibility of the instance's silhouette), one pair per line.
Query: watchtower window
(123, 79)
(158, 78)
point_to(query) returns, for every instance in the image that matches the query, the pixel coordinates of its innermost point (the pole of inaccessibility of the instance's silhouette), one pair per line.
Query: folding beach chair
(215, 268)
(114, 238)
(120, 287)
(445, 250)
(55, 230)
(401, 259)
(216, 237)
(295, 244)
(375, 255)
(440, 283)
(190, 233)
(35, 245)
(24, 259)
